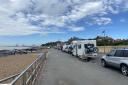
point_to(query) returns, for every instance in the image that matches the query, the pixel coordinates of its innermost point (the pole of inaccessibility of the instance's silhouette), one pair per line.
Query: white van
(85, 49)
(64, 47)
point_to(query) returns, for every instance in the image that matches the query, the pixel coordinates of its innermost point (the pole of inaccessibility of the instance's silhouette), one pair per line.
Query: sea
(12, 47)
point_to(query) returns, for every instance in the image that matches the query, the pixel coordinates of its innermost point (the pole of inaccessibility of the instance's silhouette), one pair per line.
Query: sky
(31, 22)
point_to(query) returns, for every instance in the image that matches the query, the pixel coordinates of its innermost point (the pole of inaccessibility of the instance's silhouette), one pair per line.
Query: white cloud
(18, 27)
(116, 6)
(25, 17)
(102, 21)
(85, 9)
(76, 29)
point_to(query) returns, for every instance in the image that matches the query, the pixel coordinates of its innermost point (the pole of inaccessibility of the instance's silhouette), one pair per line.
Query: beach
(13, 64)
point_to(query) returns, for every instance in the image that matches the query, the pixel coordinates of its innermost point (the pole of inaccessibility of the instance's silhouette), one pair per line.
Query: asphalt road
(64, 69)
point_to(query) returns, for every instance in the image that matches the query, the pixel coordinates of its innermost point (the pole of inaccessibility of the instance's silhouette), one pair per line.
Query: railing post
(24, 78)
(29, 75)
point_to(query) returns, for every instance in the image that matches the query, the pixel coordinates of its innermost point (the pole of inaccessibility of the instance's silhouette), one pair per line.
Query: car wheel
(103, 63)
(124, 70)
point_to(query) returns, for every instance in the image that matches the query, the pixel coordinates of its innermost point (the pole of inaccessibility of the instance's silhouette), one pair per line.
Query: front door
(115, 60)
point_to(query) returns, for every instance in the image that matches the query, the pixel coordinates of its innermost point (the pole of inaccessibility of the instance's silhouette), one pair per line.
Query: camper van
(65, 47)
(85, 49)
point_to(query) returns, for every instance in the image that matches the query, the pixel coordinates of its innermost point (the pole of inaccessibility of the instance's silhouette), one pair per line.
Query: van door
(79, 49)
(74, 51)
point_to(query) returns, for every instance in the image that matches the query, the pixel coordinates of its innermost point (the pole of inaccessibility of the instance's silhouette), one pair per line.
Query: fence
(29, 75)
(109, 48)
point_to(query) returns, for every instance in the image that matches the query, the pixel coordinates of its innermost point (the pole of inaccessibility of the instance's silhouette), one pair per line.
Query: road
(64, 69)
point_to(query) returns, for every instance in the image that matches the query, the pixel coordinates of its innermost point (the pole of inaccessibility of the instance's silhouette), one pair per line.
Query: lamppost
(104, 32)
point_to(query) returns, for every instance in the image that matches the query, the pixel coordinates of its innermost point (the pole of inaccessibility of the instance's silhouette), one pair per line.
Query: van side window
(125, 53)
(79, 46)
(74, 46)
(88, 45)
(119, 53)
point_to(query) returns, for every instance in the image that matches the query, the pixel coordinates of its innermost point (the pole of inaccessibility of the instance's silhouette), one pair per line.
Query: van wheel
(124, 70)
(87, 59)
(103, 63)
(80, 57)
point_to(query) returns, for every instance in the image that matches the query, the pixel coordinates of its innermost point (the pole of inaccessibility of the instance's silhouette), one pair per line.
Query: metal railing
(9, 79)
(29, 75)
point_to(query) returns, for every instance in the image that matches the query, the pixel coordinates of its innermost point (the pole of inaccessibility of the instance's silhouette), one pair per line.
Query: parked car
(117, 58)
(21, 51)
(59, 46)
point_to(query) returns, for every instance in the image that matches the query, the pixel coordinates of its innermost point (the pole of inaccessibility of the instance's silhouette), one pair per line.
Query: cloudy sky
(40, 21)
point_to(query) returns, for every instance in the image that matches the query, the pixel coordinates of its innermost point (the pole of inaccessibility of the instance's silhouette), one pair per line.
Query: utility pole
(104, 33)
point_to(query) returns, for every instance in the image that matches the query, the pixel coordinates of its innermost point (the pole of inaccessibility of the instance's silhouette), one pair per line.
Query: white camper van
(85, 49)
(65, 48)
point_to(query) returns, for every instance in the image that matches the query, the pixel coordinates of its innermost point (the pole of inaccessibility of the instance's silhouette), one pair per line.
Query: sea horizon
(13, 47)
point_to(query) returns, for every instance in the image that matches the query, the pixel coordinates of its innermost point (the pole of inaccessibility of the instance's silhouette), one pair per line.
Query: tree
(101, 41)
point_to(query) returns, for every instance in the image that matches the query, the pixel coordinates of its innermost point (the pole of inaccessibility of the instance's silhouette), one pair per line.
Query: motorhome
(65, 46)
(85, 49)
